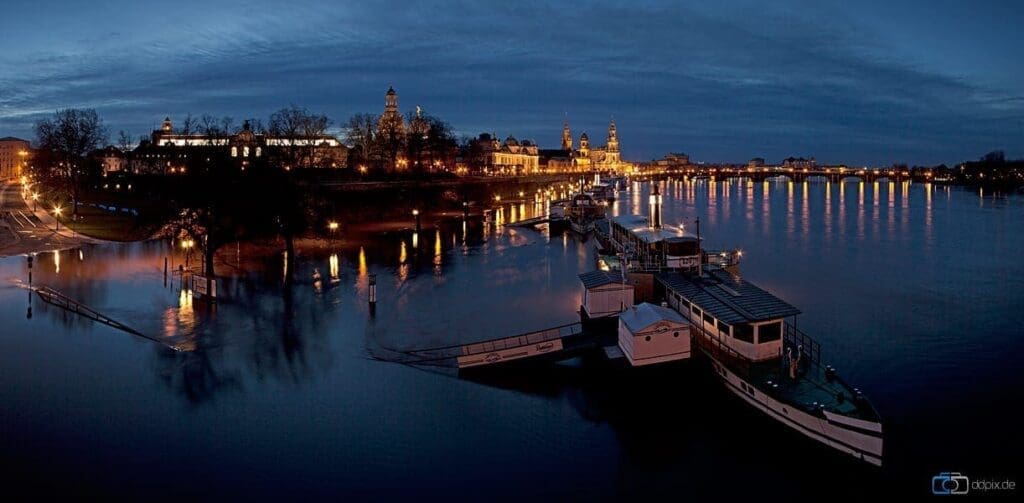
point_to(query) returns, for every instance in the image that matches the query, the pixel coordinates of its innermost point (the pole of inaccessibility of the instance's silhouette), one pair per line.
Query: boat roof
(640, 226)
(727, 296)
(646, 314)
(594, 279)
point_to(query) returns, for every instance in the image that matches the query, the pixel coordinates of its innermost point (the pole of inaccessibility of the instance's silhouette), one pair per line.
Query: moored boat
(769, 363)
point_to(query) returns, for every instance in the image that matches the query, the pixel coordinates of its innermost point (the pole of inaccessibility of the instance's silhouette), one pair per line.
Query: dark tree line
(426, 143)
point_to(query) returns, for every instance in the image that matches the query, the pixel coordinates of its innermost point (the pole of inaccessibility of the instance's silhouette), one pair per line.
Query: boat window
(723, 327)
(709, 319)
(696, 312)
(743, 332)
(769, 332)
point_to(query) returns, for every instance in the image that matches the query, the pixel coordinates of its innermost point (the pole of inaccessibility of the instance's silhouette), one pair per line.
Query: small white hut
(653, 334)
(605, 293)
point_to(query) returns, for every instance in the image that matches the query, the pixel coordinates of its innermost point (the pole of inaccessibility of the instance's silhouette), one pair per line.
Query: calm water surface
(914, 292)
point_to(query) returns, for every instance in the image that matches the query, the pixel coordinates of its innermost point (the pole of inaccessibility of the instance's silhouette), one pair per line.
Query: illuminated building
(168, 150)
(585, 158)
(14, 155)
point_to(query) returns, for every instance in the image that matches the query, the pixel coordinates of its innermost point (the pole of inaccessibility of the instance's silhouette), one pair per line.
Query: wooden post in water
(165, 270)
(373, 294)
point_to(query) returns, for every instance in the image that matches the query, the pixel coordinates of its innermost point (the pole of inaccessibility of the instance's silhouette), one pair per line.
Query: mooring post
(30, 270)
(373, 294)
(165, 270)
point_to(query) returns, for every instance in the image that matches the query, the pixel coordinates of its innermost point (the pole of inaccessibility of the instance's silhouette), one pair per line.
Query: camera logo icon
(950, 483)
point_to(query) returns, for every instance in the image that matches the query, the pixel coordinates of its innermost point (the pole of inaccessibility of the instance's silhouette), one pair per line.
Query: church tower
(613, 138)
(566, 137)
(390, 122)
(167, 127)
(391, 101)
(584, 145)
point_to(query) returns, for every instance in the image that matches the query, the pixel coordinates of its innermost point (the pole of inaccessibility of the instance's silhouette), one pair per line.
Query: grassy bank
(108, 225)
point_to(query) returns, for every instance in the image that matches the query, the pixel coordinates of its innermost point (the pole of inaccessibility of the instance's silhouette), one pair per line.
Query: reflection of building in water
(585, 158)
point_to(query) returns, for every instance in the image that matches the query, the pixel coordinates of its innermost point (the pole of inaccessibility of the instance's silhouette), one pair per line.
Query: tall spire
(613, 137)
(566, 136)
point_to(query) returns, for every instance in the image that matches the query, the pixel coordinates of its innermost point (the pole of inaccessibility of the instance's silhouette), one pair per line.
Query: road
(22, 231)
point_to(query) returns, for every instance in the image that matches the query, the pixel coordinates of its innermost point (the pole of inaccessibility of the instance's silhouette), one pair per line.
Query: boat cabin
(584, 205)
(654, 247)
(725, 308)
(653, 334)
(605, 293)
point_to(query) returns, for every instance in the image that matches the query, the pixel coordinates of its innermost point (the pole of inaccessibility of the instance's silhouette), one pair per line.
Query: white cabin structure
(651, 334)
(605, 293)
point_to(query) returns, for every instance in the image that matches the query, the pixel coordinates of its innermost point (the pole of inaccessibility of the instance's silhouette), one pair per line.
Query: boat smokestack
(656, 207)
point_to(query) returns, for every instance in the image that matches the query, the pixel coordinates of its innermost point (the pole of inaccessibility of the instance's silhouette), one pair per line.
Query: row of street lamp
(57, 209)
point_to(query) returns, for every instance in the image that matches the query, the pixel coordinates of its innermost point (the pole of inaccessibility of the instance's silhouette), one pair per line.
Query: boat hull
(858, 438)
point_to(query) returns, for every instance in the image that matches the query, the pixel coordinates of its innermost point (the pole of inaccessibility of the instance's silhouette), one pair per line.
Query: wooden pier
(555, 343)
(53, 297)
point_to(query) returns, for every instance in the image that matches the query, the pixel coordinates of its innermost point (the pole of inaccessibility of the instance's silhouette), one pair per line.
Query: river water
(914, 292)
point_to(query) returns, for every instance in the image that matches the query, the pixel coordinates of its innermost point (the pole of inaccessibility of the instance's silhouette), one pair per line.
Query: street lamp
(56, 211)
(35, 199)
(416, 213)
(333, 227)
(187, 245)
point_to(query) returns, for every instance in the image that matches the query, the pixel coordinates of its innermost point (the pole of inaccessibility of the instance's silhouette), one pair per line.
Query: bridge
(834, 174)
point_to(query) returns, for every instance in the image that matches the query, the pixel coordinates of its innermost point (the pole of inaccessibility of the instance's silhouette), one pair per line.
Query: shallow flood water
(914, 292)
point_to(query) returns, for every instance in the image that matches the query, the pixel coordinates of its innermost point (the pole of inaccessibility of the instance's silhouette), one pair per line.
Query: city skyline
(845, 84)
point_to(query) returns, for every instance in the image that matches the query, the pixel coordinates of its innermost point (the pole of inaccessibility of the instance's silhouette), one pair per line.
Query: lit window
(259, 151)
(234, 151)
(245, 151)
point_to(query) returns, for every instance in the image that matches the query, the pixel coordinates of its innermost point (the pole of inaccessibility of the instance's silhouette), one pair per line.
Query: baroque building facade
(587, 158)
(509, 157)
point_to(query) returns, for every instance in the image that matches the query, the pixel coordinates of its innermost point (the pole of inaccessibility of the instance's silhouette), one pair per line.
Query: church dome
(511, 141)
(584, 136)
(391, 91)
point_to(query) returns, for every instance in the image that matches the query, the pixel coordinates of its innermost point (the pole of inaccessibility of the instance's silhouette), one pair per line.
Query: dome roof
(584, 136)
(391, 91)
(511, 140)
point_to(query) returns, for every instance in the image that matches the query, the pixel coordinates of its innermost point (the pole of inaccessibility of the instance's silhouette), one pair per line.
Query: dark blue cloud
(864, 84)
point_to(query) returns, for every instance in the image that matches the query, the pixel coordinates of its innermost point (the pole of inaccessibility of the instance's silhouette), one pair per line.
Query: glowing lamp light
(332, 226)
(415, 212)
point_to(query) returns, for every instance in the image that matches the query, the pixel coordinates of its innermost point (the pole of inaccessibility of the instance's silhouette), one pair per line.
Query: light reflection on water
(885, 300)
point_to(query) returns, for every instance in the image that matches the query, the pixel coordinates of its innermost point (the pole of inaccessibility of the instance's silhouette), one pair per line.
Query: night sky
(861, 82)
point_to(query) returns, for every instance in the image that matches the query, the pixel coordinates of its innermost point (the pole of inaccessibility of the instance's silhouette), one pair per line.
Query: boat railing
(795, 340)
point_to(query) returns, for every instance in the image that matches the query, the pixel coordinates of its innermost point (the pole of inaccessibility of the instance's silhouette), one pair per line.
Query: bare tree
(68, 137)
(210, 126)
(301, 132)
(360, 135)
(188, 127)
(125, 141)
